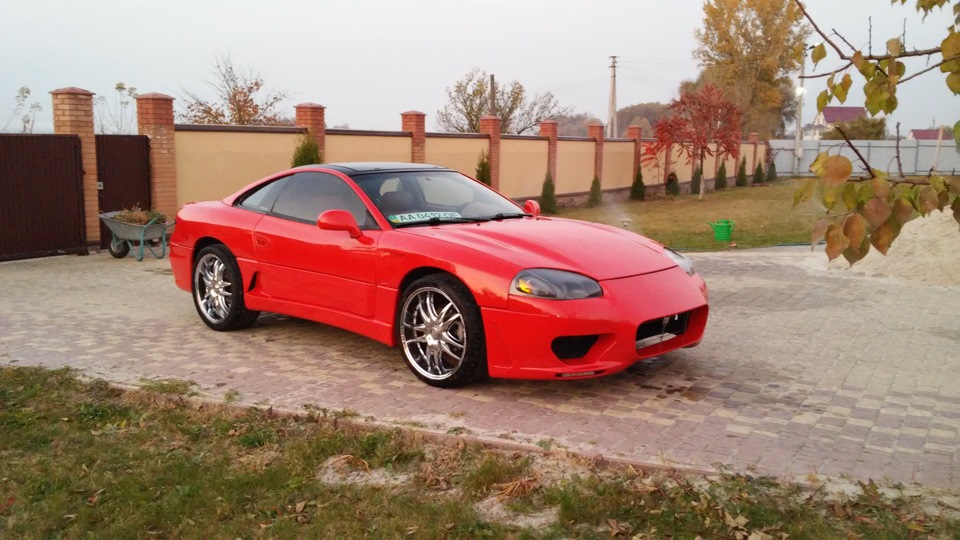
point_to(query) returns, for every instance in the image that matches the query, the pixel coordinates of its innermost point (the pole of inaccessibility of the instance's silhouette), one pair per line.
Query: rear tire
(218, 290)
(440, 332)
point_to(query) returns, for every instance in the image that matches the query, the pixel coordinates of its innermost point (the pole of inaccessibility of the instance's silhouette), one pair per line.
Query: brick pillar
(414, 122)
(73, 115)
(595, 132)
(548, 129)
(155, 120)
(490, 126)
(755, 142)
(635, 133)
(312, 117)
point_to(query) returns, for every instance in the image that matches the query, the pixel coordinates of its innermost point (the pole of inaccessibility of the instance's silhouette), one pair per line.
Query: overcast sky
(370, 60)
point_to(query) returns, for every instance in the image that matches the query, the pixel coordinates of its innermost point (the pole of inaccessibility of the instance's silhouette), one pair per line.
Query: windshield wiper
(509, 215)
(439, 221)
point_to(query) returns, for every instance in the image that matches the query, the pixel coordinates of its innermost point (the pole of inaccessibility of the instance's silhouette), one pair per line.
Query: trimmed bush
(695, 181)
(548, 197)
(483, 168)
(638, 191)
(673, 185)
(596, 194)
(758, 176)
(721, 180)
(307, 152)
(742, 173)
(772, 173)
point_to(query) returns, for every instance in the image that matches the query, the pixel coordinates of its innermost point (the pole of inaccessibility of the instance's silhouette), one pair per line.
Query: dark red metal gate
(123, 170)
(41, 196)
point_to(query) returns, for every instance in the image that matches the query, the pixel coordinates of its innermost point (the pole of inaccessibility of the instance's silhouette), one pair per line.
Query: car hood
(591, 249)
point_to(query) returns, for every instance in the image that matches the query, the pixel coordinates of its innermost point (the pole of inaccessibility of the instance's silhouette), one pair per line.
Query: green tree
(695, 181)
(772, 172)
(307, 151)
(742, 173)
(240, 99)
(861, 129)
(548, 197)
(758, 175)
(750, 49)
(469, 100)
(596, 193)
(720, 182)
(673, 185)
(870, 209)
(483, 168)
(638, 191)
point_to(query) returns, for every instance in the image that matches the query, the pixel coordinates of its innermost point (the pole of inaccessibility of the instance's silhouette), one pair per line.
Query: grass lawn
(86, 460)
(764, 216)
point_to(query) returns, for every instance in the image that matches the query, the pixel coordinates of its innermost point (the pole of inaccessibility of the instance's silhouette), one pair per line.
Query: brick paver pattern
(801, 370)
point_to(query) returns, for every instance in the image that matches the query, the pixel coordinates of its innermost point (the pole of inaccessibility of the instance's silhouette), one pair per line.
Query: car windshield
(412, 198)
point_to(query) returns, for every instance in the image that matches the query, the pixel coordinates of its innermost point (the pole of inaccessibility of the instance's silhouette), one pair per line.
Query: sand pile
(927, 251)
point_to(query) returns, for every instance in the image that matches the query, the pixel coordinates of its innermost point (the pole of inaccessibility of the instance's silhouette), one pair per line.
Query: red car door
(304, 264)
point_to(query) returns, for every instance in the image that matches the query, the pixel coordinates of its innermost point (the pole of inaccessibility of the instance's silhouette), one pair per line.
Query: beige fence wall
(574, 166)
(214, 164)
(523, 166)
(349, 147)
(458, 153)
(617, 164)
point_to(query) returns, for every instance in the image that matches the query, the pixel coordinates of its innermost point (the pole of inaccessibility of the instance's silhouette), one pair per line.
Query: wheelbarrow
(722, 229)
(123, 236)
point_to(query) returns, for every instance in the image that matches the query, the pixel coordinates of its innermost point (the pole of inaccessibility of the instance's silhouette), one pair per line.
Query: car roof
(377, 166)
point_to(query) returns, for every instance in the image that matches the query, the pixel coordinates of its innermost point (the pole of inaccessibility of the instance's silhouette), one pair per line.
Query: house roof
(832, 115)
(929, 134)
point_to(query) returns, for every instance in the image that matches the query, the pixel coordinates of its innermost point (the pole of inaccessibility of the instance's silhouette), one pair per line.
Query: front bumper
(521, 338)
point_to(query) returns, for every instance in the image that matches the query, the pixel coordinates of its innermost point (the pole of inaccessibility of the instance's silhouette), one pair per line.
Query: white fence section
(917, 156)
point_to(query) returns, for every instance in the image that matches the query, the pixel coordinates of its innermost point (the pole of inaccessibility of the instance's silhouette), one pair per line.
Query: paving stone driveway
(801, 371)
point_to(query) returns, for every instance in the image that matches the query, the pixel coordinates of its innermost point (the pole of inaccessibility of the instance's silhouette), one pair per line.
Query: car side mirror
(532, 207)
(339, 220)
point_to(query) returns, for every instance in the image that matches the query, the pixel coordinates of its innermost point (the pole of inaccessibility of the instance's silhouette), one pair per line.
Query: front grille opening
(572, 347)
(668, 327)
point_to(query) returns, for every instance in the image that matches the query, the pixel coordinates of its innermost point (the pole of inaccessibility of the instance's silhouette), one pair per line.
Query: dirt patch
(340, 470)
(492, 509)
(923, 252)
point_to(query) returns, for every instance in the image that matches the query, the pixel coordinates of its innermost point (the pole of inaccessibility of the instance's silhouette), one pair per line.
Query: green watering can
(722, 229)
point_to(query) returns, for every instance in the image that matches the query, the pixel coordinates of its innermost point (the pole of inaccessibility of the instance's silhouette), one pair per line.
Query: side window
(309, 194)
(261, 199)
(440, 192)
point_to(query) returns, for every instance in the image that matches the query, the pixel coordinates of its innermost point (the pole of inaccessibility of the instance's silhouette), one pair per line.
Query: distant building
(930, 134)
(830, 116)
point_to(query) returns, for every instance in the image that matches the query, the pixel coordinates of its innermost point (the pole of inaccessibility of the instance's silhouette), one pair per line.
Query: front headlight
(683, 262)
(554, 285)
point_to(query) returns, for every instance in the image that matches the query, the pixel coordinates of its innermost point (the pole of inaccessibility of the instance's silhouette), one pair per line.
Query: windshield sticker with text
(422, 216)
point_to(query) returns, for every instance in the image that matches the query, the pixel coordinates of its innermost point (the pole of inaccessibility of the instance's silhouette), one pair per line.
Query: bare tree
(469, 101)
(115, 116)
(240, 99)
(23, 113)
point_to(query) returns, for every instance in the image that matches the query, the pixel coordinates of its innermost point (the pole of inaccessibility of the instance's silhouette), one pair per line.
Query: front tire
(118, 248)
(440, 332)
(218, 290)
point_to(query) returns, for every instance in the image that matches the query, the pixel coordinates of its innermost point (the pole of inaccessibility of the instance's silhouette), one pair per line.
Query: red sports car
(464, 280)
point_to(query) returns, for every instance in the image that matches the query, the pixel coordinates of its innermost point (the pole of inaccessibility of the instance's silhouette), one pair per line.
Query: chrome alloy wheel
(212, 289)
(433, 336)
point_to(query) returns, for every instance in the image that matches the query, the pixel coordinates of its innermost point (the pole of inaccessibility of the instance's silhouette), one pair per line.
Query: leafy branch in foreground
(871, 210)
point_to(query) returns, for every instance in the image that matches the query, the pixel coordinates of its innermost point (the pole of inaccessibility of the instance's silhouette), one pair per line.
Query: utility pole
(493, 97)
(797, 149)
(612, 131)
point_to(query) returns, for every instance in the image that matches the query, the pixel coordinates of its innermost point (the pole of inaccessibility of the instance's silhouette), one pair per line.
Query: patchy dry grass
(764, 216)
(88, 460)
